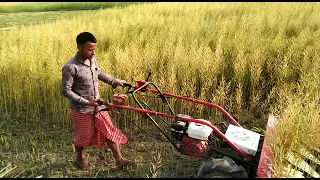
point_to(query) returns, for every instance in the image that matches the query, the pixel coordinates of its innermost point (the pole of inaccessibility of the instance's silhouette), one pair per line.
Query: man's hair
(83, 37)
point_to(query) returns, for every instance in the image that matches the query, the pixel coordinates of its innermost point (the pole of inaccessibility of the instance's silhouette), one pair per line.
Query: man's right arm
(68, 73)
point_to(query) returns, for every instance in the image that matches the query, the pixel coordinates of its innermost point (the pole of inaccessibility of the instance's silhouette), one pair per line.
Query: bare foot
(124, 162)
(83, 163)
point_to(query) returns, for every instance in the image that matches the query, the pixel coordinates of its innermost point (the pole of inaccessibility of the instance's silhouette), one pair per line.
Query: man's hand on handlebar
(122, 82)
(96, 102)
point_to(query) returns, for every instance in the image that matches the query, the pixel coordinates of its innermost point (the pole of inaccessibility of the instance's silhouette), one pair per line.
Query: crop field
(252, 59)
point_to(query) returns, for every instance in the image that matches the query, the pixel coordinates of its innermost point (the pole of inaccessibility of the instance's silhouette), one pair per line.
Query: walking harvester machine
(230, 149)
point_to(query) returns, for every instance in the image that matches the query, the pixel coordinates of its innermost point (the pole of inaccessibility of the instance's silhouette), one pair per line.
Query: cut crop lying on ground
(251, 58)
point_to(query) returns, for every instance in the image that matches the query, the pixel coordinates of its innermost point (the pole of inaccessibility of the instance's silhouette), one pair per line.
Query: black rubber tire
(221, 168)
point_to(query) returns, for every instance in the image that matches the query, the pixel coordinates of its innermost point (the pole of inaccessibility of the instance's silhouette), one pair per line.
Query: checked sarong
(94, 129)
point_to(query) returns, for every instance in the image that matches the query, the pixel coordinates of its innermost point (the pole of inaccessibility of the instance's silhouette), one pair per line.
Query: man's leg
(120, 161)
(81, 159)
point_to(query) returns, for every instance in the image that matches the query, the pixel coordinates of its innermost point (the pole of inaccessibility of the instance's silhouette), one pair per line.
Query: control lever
(144, 89)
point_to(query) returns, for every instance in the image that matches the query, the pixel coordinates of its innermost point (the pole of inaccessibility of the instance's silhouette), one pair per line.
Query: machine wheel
(221, 168)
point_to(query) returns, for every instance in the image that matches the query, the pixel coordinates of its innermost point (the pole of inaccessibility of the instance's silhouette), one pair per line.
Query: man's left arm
(109, 79)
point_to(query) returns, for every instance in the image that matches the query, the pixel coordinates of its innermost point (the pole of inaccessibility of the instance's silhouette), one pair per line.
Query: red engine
(193, 147)
(119, 99)
(190, 146)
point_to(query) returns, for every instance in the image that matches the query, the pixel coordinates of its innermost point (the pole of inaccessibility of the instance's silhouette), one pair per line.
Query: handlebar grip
(100, 102)
(127, 84)
(105, 102)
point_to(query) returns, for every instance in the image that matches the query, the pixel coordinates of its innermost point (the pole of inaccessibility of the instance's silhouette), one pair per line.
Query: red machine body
(265, 163)
(181, 136)
(140, 83)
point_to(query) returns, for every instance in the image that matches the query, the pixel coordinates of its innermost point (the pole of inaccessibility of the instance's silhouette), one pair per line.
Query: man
(79, 84)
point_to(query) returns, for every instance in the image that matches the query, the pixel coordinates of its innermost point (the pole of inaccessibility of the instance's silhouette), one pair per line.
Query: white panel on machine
(246, 140)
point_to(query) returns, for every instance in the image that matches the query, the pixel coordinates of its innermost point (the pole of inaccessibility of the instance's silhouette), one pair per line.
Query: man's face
(87, 50)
